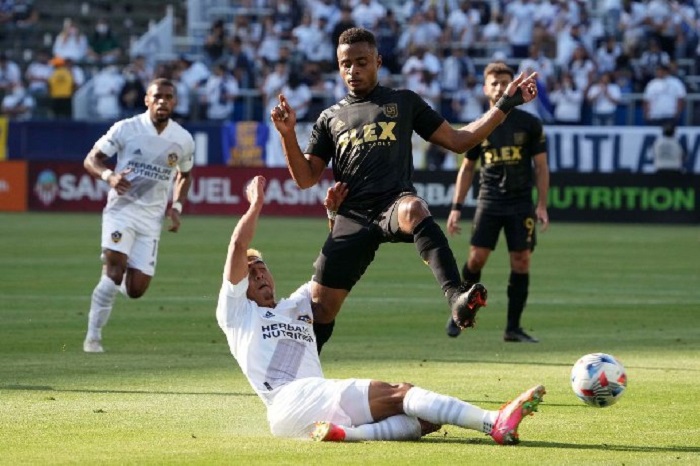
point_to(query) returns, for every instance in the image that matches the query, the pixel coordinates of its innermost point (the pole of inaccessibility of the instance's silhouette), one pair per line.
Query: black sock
(470, 277)
(323, 334)
(435, 251)
(517, 297)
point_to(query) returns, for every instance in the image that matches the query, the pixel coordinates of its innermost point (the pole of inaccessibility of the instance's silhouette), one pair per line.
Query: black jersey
(368, 142)
(506, 178)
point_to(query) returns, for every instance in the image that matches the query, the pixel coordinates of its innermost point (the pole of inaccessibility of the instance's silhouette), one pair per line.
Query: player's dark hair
(162, 82)
(357, 35)
(498, 67)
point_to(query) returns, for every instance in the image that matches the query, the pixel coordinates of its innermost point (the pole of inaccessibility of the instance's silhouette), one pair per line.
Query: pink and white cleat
(328, 432)
(505, 430)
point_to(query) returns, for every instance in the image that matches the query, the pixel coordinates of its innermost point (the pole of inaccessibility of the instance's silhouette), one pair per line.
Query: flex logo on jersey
(503, 155)
(116, 236)
(381, 131)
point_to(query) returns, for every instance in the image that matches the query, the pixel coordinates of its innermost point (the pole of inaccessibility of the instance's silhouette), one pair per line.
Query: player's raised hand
(119, 182)
(283, 116)
(521, 90)
(255, 191)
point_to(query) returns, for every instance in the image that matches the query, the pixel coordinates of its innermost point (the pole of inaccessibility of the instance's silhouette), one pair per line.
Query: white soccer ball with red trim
(598, 379)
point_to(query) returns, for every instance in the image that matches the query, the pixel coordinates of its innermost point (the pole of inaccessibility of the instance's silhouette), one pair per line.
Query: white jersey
(153, 159)
(273, 346)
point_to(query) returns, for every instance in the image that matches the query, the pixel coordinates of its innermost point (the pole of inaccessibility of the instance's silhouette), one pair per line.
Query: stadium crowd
(589, 59)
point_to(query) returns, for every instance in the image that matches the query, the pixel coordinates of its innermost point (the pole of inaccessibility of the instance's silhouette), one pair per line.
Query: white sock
(122, 287)
(399, 427)
(100, 307)
(441, 409)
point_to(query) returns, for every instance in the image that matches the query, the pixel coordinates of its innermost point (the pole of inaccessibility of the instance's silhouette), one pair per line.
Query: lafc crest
(391, 110)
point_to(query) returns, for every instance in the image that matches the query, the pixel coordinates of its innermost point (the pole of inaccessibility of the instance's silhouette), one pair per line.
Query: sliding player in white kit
(275, 346)
(151, 150)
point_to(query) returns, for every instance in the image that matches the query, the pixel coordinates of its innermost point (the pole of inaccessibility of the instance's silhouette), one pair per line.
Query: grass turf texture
(168, 392)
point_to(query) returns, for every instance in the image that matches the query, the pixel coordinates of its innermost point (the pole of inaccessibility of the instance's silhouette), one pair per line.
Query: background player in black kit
(507, 157)
(367, 137)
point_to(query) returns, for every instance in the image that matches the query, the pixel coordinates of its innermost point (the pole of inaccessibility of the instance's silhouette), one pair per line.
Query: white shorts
(301, 403)
(132, 236)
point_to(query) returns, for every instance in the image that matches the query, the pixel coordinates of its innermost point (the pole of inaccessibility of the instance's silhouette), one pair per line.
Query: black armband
(456, 206)
(508, 102)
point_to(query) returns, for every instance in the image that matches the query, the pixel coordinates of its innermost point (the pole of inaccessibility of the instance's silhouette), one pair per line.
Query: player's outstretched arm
(522, 89)
(236, 268)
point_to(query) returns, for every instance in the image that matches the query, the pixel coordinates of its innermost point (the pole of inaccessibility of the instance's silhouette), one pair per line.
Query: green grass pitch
(168, 392)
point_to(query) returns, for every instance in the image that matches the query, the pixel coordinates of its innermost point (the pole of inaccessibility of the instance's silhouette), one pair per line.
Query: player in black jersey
(507, 158)
(367, 138)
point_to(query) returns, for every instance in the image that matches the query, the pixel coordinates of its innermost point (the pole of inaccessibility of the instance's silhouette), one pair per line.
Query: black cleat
(452, 329)
(519, 335)
(465, 306)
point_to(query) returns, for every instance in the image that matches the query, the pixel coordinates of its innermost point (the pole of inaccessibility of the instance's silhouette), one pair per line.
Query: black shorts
(519, 228)
(350, 247)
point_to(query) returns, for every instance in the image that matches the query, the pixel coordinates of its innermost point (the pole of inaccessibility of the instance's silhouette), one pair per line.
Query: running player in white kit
(275, 346)
(151, 151)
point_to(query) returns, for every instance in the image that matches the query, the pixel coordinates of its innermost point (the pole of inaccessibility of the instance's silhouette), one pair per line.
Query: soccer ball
(598, 379)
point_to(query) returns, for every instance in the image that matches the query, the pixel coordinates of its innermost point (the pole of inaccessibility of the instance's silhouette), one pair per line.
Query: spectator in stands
(325, 9)
(345, 22)
(650, 60)
(37, 74)
(107, 85)
(567, 99)
(62, 85)
(70, 43)
(664, 98)
(270, 42)
(367, 13)
(287, 14)
(183, 108)
(687, 14)
(429, 89)
(419, 59)
(468, 101)
(10, 73)
(663, 25)
(273, 84)
(456, 67)
(143, 70)
(607, 54)
(520, 22)
(103, 46)
(23, 17)
(582, 68)
(220, 93)
(18, 104)
(240, 63)
(604, 97)
(387, 32)
(633, 26)
(132, 94)
(463, 24)
(299, 96)
(669, 155)
(215, 42)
